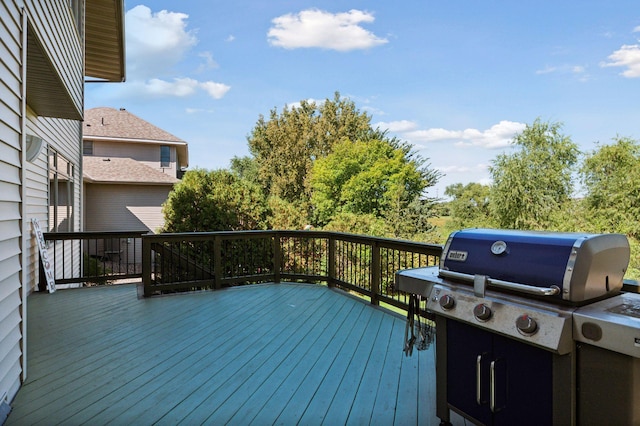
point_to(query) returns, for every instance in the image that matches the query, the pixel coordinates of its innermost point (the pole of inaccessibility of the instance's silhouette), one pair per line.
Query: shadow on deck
(259, 354)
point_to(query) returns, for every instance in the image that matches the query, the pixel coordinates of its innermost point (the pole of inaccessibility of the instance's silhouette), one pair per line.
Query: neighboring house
(48, 50)
(129, 168)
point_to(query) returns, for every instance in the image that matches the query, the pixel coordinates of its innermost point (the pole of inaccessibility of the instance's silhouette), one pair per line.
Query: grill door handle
(522, 288)
(492, 386)
(479, 379)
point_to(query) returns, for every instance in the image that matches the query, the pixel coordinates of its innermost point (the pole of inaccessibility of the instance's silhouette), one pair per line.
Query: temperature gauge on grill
(499, 247)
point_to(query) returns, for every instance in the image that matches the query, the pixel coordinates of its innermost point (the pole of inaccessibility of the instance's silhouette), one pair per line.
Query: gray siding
(124, 207)
(146, 153)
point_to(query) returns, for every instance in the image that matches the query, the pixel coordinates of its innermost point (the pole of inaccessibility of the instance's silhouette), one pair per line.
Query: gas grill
(533, 328)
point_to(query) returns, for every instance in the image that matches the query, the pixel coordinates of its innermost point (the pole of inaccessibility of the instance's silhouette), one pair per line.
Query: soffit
(104, 40)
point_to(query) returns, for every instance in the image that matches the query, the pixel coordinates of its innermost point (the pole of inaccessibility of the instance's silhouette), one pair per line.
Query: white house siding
(10, 199)
(23, 186)
(63, 136)
(56, 30)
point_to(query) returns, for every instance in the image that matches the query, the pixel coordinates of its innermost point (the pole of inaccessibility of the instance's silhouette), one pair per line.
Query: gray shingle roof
(110, 122)
(122, 171)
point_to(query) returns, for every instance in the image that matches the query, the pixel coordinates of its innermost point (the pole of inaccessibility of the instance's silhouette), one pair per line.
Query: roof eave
(105, 41)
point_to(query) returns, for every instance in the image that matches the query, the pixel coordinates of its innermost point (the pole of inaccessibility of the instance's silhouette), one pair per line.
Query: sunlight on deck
(260, 354)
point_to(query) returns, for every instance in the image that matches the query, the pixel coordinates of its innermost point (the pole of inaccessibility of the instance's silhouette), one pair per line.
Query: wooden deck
(261, 354)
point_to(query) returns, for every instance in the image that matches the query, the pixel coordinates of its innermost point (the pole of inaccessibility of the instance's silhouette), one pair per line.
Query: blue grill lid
(582, 266)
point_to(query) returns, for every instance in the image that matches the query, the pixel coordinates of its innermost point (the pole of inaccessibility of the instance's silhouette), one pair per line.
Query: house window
(165, 156)
(61, 193)
(87, 147)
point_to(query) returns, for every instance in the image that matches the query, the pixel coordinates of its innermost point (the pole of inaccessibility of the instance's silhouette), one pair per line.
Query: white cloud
(298, 104)
(464, 169)
(397, 126)
(547, 70)
(179, 87)
(215, 90)
(156, 41)
(209, 62)
(497, 136)
(230, 38)
(637, 29)
(198, 110)
(578, 71)
(317, 28)
(627, 56)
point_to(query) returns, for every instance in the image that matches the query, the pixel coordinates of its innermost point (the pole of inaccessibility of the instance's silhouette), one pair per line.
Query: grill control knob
(482, 312)
(447, 302)
(526, 324)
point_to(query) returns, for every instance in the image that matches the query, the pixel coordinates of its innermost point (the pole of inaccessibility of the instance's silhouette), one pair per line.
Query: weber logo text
(458, 256)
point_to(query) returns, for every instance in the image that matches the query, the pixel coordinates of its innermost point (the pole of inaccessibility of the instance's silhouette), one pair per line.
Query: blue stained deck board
(261, 354)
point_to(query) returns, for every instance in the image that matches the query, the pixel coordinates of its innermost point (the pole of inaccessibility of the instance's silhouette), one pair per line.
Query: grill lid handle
(507, 285)
(480, 285)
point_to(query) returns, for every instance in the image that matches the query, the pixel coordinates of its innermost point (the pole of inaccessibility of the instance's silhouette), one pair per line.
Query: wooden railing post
(277, 257)
(375, 273)
(146, 266)
(332, 261)
(217, 262)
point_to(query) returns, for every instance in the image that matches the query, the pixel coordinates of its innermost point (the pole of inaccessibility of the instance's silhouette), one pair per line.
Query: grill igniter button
(447, 302)
(526, 325)
(482, 312)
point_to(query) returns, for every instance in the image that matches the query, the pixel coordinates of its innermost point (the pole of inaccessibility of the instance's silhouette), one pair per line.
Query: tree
(611, 177)
(534, 182)
(285, 145)
(245, 168)
(469, 205)
(374, 177)
(214, 201)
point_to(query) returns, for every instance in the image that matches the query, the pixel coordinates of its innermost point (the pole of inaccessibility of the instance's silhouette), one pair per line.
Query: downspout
(24, 225)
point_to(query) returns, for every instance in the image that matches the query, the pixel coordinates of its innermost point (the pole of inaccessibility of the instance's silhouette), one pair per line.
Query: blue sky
(457, 79)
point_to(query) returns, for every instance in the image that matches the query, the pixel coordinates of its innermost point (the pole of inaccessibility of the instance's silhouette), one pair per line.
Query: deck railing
(85, 258)
(212, 260)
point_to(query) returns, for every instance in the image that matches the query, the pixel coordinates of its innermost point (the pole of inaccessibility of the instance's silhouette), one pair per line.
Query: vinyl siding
(56, 30)
(53, 26)
(146, 153)
(10, 199)
(124, 207)
(63, 136)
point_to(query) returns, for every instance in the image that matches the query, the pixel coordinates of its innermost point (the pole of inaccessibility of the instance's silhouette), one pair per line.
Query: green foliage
(611, 177)
(532, 189)
(245, 168)
(365, 177)
(286, 145)
(534, 182)
(94, 267)
(469, 205)
(364, 224)
(287, 215)
(214, 201)
(412, 221)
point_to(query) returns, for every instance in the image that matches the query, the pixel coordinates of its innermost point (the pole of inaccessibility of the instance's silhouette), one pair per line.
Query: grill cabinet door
(466, 347)
(522, 377)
